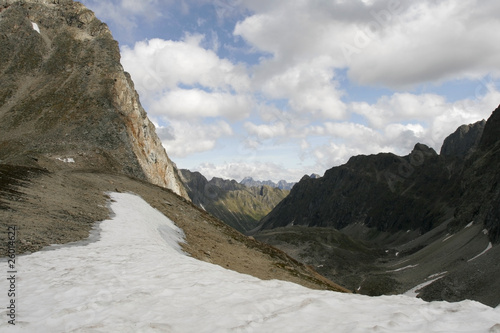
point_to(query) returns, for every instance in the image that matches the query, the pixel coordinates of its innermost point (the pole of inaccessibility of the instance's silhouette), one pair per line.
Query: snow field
(136, 278)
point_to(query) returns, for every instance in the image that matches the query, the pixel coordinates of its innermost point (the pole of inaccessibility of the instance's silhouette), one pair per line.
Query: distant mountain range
(384, 223)
(240, 206)
(282, 184)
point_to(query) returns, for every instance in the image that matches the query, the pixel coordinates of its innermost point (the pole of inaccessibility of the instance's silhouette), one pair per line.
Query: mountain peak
(65, 96)
(464, 140)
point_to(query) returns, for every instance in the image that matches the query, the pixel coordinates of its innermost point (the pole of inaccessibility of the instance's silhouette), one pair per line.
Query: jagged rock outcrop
(237, 205)
(464, 140)
(65, 100)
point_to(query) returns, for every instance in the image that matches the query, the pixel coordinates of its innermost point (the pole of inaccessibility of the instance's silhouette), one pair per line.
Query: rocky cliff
(237, 205)
(65, 100)
(464, 140)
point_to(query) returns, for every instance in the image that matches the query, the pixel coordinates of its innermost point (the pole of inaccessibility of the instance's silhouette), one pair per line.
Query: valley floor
(136, 278)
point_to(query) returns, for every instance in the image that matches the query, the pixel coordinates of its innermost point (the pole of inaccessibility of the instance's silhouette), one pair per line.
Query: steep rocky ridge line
(64, 94)
(464, 140)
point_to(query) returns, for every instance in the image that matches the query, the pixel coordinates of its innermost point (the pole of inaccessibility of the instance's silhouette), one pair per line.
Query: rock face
(480, 201)
(64, 96)
(464, 141)
(237, 205)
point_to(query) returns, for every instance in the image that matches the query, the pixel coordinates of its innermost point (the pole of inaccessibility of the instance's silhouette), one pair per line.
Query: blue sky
(279, 89)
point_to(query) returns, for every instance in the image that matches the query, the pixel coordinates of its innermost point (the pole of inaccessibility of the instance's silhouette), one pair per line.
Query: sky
(279, 89)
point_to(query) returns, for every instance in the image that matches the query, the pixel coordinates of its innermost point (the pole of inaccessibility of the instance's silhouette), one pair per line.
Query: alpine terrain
(387, 224)
(100, 232)
(72, 129)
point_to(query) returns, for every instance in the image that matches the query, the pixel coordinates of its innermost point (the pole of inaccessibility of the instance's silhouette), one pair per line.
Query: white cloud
(183, 138)
(196, 103)
(157, 65)
(388, 42)
(264, 132)
(429, 117)
(183, 80)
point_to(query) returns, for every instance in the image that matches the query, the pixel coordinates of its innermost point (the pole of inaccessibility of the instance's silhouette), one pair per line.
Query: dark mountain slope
(480, 199)
(384, 191)
(429, 218)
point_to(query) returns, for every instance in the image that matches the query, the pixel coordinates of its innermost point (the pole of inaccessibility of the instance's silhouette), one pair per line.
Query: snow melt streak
(137, 279)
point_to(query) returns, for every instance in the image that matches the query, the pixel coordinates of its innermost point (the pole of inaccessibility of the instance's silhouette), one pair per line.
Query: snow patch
(436, 275)
(480, 254)
(413, 292)
(469, 225)
(135, 278)
(444, 240)
(66, 160)
(35, 27)
(402, 268)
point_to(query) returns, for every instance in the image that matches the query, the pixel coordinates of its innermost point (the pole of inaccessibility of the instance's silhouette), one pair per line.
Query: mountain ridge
(422, 215)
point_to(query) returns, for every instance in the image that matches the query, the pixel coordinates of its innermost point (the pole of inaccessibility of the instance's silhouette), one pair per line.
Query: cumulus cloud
(388, 42)
(183, 138)
(183, 80)
(195, 103)
(157, 65)
(429, 117)
(265, 131)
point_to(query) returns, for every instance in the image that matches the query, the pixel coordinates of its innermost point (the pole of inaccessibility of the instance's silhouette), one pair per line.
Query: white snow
(135, 278)
(469, 225)
(35, 27)
(402, 268)
(413, 292)
(67, 160)
(436, 275)
(444, 240)
(480, 254)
